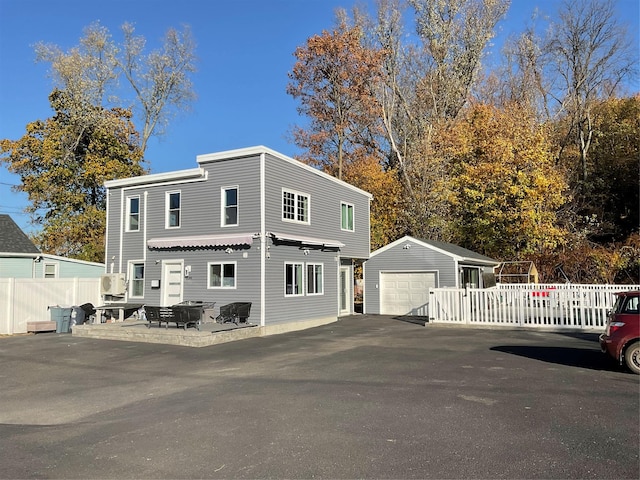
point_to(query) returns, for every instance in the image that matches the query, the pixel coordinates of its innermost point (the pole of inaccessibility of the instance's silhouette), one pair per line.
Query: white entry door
(172, 282)
(346, 299)
(405, 293)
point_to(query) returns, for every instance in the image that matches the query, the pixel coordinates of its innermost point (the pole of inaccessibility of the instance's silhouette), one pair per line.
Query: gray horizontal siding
(283, 309)
(201, 214)
(325, 207)
(200, 208)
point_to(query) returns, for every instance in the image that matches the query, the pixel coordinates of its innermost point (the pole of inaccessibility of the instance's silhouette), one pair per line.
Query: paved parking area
(366, 397)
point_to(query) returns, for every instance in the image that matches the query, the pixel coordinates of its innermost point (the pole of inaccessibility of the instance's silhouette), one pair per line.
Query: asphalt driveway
(366, 397)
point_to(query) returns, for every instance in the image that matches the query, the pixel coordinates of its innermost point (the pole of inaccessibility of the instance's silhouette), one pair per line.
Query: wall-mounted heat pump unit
(113, 284)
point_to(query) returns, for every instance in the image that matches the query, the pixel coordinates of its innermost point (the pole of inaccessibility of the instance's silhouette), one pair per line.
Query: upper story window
(173, 209)
(229, 206)
(346, 216)
(133, 214)
(137, 280)
(50, 270)
(222, 275)
(295, 206)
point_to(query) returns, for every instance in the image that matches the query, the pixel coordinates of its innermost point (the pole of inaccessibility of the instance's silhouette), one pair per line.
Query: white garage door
(405, 293)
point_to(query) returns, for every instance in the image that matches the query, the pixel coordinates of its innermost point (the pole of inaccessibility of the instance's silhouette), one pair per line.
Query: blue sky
(245, 50)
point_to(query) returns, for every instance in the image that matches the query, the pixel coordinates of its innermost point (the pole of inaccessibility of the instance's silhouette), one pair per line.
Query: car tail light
(613, 326)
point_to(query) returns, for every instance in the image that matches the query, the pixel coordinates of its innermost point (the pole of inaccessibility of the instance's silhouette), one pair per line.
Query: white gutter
(144, 231)
(263, 243)
(122, 209)
(106, 230)
(49, 257)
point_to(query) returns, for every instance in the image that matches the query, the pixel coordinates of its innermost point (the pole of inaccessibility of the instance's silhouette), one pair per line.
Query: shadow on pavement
(415, 319)
(572, 357)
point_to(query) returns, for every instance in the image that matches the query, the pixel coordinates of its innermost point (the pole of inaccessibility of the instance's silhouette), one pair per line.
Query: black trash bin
(77, 315)
(80, 314)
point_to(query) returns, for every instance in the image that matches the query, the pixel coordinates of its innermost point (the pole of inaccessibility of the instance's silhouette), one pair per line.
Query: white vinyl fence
(25, 300)
(526, 305)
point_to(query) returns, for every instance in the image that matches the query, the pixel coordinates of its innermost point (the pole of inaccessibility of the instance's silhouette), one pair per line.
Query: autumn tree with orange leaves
(503, 162)
(333, 79)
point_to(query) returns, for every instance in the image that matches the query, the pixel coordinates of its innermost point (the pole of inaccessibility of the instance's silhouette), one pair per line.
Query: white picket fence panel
(25, 300)
(526, 305)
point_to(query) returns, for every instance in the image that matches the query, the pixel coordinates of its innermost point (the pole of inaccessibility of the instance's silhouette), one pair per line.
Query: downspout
(106, 232)
(144, 230)
(121, 230)
(263, 242)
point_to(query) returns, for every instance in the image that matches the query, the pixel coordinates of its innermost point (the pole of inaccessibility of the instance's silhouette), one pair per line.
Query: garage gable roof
(456, 252)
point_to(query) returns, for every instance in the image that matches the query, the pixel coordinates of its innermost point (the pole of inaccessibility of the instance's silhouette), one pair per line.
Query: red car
(621, 340)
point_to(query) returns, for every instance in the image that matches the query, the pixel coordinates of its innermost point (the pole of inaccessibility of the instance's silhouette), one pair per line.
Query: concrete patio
(135, 330)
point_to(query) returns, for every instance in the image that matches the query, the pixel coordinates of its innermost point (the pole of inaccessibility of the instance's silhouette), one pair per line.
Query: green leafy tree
(63, 163)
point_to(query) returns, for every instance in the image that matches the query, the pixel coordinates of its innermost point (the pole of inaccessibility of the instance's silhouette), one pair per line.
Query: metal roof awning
(200, 241)
(307, 240)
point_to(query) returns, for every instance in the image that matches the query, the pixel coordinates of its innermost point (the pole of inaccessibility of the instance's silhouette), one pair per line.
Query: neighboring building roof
(12, 239)
(460, 253)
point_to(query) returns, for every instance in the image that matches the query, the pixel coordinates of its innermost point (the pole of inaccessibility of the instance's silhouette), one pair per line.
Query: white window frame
(130, 214)
(301, 286)
(222, 277)
(297, 197)
(224, 206)
(317, 291)
(168, 209)
(350, 207)
(55, 266)
(133, 280)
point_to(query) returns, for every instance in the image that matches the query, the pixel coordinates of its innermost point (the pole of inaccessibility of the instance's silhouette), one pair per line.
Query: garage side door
(405, 293)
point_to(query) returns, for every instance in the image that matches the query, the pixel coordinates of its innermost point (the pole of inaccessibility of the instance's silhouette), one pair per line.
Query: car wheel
(632, 357)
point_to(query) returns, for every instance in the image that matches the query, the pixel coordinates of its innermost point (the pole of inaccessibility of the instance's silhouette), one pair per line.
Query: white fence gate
(25, 300)
(526, 305)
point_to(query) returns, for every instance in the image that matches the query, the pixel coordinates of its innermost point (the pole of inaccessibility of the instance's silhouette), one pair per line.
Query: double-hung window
(346, 216)
(229, 206)
(173, 209)
(137, 280)
(294, 281)
(295, 206)
(222, 275)
(50, 270)
(133, 214)
(314, 279)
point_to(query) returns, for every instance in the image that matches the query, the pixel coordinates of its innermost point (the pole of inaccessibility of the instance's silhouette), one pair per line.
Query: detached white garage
(397, 277)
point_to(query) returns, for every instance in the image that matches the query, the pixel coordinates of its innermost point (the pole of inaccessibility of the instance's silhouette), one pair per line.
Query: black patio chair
(236, 312)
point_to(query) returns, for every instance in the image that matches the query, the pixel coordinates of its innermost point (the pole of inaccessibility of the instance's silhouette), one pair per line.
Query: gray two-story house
(247, 225)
